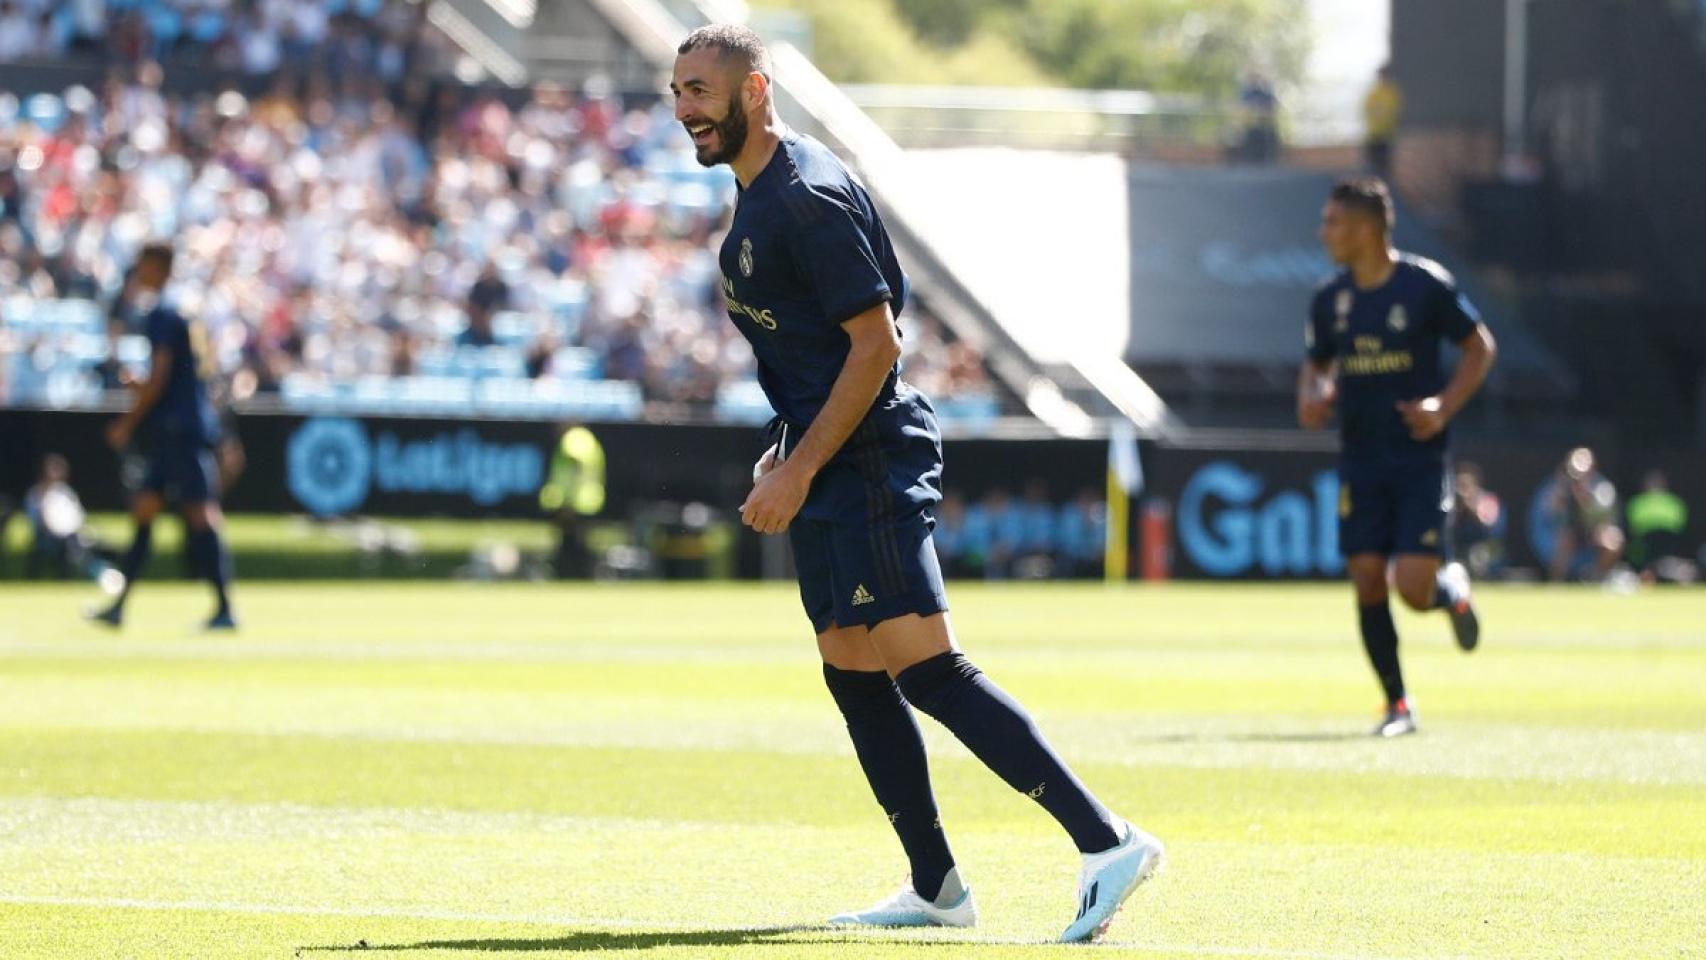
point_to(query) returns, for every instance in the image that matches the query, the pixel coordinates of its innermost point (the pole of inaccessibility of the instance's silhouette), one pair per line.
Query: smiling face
(711, 93)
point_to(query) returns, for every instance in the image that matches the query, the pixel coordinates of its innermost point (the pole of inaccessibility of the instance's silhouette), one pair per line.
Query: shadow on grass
(589, 941)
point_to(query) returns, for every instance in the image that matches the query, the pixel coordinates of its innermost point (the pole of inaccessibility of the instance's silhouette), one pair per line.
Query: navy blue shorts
(181, 473)
(862, 546)
(1393, 508)
(852, 575)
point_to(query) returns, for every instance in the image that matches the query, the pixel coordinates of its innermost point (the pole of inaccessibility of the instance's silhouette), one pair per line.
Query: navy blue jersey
(183, 413)
(806, 253)
(1387, 344)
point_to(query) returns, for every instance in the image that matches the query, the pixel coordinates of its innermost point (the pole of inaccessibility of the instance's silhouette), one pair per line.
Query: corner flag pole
(1125, 480)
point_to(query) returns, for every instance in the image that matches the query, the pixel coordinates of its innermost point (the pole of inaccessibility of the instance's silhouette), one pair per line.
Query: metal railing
(1122, 121)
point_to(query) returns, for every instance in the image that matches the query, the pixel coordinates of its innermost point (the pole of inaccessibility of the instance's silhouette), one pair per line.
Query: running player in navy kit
(177, 428)
(1373, 341)
(811, 280)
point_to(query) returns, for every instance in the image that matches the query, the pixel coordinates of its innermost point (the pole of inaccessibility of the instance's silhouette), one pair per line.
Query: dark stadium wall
(1239, 513)
(410, 467)
(1449, 59)
(1236, 512)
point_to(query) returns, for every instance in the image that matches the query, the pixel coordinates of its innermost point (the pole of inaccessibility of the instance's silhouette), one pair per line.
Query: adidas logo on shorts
(862, 596)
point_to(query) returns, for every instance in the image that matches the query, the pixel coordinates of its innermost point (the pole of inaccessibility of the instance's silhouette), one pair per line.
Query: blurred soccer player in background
(811, 280)
(177, 430)
(1373, 341)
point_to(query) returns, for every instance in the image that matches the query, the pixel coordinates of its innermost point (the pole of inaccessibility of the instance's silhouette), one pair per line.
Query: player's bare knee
(1416, 595)
(145, 508)
(909, 640)
(1368, 577)
(849, 648)
(201, 516)
(1370, 586)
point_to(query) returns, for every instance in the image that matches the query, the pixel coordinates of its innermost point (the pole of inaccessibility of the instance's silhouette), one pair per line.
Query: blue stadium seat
(968, 408)
(133, 350)
(513, 328)
(599, 399)
(575, 363)
(435, 363)
(742, 402)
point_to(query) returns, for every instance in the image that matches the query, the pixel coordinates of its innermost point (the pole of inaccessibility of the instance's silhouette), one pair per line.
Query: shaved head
(730, 41)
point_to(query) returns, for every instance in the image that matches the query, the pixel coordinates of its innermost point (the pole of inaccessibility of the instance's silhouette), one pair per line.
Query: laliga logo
(329, 466)
(1226, 533)
(332, 466)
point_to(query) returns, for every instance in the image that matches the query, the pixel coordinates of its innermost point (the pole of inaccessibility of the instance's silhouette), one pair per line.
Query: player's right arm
(1317, 378)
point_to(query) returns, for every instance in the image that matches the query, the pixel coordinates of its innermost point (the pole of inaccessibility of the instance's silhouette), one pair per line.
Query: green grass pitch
(455, 770)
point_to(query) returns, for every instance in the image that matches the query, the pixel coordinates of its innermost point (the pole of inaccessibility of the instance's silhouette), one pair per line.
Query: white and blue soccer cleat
(1108, 878)
(1465, 625)
(954, 907)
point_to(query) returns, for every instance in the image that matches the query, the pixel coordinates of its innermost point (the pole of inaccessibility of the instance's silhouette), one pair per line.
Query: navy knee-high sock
(1380, 639)
(136, 558)
(210, 557)
(890, 748)
(1000, 733)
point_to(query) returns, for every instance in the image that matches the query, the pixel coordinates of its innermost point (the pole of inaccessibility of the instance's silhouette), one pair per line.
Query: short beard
(731, 133)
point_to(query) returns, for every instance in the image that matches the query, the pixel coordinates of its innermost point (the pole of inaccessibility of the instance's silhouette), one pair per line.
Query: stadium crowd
(1031, 537)
(381, 37)
(348, 224)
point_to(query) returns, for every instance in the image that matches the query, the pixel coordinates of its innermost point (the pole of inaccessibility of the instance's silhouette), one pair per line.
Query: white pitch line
(851, 936)
(280, 909)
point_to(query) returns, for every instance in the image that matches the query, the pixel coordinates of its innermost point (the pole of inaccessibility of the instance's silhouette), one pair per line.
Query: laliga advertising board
(333, 465)
(1255, 514)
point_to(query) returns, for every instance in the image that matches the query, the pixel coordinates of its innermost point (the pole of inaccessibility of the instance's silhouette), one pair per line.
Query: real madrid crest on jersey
(746, 257)
(1398, 319)
(1342, 308)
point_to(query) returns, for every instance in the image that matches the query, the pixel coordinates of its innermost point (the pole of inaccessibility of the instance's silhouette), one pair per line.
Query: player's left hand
(776, 498)
(118, 435)
(1424, 417)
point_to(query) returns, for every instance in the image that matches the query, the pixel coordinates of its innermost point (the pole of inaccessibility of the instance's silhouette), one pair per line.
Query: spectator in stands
(1006, 534)
(1658, 521)
(1381, 112)
(978, 540)
(1580, 511)
(1258, 135)
(1037, 543)
(20, 36)
(486, 297)
(950, 536)
(55, 512)
(110, 370)
(332, 230)
(1477, 523)
(1083, 532)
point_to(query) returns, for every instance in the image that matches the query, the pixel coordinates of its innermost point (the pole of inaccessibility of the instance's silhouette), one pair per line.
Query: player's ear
(754, 90)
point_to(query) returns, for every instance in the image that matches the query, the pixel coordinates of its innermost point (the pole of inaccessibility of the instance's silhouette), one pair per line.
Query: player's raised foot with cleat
(1109, 878)
(1459, 606)
(1400, 720)
(953, 907)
